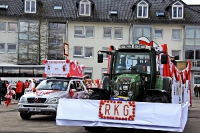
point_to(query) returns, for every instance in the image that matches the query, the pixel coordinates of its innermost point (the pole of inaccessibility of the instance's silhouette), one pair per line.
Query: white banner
(57, 68)
(176, 92)
(156, 116)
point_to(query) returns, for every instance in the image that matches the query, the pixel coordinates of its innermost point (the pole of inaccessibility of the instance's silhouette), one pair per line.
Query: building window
(118, 32)
(197, 80)
(84, 8)
(107, 31)
(176, 34)
(142, 10)
(158, 33)
(89, 31)
(176, 53)
(141, 30)
(81, 52)
(78, 51)
(30, 6)
(105, 56)
(29, 30)
(192, 35)
(78, 30)
(12, 27)
(2, 26)
(88, 52)
(88, 71)
(57, 33)
(177, 11)
(2, 47)
(104, 70)
(12, 48)
(189, 54)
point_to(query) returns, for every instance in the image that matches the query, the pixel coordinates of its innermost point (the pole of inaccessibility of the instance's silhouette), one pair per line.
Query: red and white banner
(152, 116)
(181, 91)
(63, 68)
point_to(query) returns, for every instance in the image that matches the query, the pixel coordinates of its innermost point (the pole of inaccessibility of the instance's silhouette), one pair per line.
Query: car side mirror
(100, 58)
(164, 59)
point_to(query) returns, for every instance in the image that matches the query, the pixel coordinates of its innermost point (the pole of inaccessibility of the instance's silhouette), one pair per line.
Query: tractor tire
(160, 98)
(95, 96)
(147, 98)
(25, 116)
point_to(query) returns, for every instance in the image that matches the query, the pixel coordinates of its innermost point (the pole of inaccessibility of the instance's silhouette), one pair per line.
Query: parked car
(45, 99)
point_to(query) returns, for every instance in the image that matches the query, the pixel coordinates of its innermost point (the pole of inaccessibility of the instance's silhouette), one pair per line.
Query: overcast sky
(192, 1)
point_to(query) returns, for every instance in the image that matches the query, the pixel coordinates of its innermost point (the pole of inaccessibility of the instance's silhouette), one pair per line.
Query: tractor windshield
(132, 62)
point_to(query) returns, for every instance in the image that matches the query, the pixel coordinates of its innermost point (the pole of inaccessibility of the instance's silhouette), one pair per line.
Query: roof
(101, 11)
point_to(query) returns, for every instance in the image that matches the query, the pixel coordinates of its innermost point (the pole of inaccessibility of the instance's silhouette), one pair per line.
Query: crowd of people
(7, 92)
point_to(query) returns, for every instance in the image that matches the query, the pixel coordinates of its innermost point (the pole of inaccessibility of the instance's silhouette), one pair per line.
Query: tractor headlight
(116, 93)
(53, 100)
(130, 93)
(125, 87)
(22, 100)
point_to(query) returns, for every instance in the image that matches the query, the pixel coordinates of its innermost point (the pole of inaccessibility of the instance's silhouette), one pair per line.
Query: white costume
(30, 87)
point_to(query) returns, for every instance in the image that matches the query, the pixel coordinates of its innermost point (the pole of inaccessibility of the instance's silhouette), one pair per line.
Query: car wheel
(25, 116)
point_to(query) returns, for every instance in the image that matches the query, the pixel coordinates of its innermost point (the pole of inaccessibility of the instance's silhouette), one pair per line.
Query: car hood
(45, 93)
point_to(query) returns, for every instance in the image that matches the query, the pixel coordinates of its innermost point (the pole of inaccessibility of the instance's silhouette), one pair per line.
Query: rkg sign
(117, 110)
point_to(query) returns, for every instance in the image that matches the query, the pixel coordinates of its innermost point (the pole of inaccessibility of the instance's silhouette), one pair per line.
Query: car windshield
(132, 62)
(53, 85)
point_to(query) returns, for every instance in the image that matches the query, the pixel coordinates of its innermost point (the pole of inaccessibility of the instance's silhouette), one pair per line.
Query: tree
(35, 42)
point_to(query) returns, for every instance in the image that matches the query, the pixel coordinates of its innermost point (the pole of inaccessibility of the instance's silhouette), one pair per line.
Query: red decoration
(44, 61)
(83, 67)
(67, 61)
(71, 92)
(68, 75)
(44, 74)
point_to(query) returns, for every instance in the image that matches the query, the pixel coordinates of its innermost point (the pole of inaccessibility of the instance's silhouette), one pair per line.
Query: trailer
(143, 89)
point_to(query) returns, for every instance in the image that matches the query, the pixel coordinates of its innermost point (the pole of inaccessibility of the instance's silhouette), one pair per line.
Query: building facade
(34, 30)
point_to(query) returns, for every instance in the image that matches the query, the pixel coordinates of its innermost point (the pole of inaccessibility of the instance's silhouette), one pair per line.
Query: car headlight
(53, 100)
(22, 100)
(130, 93)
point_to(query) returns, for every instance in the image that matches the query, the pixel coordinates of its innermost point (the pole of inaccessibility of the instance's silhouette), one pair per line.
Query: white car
(45, 99)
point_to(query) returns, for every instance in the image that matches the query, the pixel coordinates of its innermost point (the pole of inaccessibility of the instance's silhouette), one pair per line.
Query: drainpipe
(47, 31)
(67, 36)
(129, 38)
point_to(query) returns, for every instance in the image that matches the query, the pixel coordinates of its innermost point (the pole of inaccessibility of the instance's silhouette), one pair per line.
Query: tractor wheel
(160, 98)
(95, 96)
(147, 98)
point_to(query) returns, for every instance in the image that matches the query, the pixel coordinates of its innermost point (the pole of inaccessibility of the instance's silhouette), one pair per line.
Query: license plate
(33, 109)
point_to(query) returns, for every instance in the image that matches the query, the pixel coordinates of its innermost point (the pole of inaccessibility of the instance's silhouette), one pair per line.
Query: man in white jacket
(30, 87)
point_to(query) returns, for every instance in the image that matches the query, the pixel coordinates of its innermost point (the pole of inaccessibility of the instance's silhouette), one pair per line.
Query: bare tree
(35, 42)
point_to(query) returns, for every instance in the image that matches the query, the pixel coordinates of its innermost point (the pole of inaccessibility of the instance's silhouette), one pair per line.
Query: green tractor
(133, 75)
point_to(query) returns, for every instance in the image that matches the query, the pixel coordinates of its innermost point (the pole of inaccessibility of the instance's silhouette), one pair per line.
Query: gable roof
(101, 10)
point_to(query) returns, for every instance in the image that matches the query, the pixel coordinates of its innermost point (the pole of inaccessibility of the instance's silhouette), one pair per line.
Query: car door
(81, 89)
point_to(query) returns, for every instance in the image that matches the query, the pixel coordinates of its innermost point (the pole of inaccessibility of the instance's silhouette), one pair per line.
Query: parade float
(146, 91)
